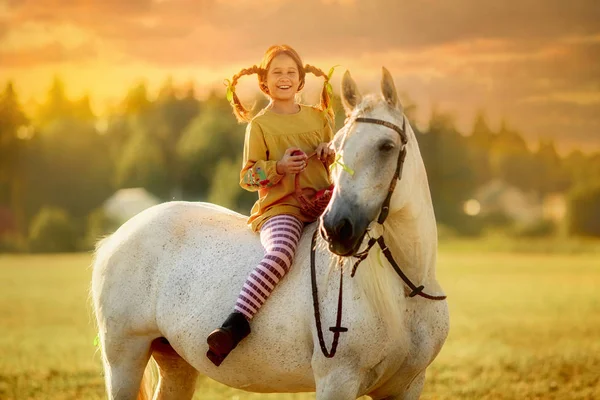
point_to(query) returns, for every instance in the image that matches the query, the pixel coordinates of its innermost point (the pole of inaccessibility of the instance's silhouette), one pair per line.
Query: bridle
(385, 209)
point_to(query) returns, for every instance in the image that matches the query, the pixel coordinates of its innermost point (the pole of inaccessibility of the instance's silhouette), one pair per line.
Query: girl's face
(283, 78)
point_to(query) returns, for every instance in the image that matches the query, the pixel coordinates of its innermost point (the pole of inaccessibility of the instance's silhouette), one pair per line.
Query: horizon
(422, 121)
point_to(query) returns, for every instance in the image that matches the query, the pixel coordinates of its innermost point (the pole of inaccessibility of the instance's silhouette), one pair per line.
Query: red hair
(244, 115)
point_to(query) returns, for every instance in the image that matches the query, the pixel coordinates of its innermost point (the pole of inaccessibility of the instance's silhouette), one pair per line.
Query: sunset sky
(535, 63)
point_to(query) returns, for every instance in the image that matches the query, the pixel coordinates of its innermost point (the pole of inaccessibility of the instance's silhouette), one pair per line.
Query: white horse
(175, 270)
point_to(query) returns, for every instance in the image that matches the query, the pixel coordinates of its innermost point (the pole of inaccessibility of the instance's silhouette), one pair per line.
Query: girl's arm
(257, 173)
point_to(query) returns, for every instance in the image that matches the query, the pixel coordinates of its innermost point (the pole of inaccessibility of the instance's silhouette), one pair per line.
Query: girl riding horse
(278, 140)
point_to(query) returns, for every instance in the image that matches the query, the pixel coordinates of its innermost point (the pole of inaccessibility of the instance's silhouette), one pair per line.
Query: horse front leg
(412, 392)
(339, 384)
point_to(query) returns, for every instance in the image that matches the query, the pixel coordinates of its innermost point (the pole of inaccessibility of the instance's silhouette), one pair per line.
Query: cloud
(529, 60)
(318, 27)
(47, 54)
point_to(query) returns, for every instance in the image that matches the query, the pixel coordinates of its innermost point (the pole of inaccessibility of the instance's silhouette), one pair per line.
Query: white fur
(175, 270)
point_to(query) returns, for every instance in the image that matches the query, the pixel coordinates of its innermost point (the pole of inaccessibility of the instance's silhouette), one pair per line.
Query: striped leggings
(279, 236)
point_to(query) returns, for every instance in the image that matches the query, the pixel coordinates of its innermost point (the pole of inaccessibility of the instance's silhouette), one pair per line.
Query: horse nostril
(344, 229)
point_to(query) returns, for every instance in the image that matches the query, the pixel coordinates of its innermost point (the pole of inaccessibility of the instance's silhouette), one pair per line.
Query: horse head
(370, 147)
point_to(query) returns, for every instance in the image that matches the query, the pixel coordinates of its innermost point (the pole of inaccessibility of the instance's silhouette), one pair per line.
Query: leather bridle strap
(385, 207)
(338, 328)
(401, 131)
(415, 290)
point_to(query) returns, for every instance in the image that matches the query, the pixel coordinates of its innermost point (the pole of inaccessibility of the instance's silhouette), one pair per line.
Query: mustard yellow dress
(268, 135)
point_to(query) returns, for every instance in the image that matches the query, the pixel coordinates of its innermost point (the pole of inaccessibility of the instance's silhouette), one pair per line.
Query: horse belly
(198, 290)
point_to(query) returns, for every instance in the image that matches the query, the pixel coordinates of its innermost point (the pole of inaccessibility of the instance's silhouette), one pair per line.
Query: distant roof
(125, 203)
(491, 191)
(498, 196)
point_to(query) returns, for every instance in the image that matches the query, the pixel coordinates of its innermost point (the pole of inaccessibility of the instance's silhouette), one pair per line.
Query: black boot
(224, 339)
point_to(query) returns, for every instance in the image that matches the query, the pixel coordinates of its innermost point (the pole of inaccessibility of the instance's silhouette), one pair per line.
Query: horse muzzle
(343, 231)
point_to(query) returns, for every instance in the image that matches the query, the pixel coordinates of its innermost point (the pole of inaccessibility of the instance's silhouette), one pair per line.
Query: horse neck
(411, 235)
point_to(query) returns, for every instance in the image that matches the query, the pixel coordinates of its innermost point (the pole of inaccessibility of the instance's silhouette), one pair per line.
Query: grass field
(523, 326)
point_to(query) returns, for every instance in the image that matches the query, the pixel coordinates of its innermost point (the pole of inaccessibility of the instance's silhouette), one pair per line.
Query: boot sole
(220, 342)
(215, 358)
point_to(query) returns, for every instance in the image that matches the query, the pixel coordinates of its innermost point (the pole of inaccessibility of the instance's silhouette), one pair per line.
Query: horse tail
(148, 381)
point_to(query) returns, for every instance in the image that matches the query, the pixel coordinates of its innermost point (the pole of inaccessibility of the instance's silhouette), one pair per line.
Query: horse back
(133, 265)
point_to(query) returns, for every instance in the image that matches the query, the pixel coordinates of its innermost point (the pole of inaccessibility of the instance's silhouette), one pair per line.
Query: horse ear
(388, 89)
(350, 94)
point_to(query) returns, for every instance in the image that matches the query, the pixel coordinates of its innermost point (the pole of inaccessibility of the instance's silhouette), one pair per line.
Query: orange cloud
(46, 54)
(521, 59)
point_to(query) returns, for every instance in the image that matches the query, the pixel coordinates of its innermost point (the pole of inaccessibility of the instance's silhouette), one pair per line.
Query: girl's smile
(283, 79)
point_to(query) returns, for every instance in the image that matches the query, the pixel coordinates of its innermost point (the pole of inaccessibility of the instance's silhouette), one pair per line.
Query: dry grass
(523, 326)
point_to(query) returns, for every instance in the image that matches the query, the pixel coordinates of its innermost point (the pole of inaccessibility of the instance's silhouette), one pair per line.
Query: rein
(316, 206)
(415, 290)
(337, 329)
(385, 208)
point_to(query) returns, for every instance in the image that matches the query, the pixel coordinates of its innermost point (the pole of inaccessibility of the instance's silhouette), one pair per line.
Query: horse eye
(386, 146)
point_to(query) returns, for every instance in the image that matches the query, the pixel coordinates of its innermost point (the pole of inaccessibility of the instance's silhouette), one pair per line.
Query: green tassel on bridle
(338, 161)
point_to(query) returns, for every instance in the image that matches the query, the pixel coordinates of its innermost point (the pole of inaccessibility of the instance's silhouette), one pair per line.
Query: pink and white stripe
(279, 236)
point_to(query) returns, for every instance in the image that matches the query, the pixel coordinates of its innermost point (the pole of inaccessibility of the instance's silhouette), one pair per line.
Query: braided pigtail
(325, 104)
(239, 110)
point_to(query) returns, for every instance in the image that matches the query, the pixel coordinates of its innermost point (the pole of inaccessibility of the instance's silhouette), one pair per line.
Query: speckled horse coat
(175, 270)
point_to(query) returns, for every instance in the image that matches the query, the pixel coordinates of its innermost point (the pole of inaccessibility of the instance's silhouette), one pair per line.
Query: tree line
(60, 162)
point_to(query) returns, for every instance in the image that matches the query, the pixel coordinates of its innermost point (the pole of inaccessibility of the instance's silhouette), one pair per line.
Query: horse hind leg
(124, 360)
(176, 378)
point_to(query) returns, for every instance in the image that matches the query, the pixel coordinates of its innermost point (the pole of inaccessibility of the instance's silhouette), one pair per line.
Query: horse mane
(381, 290)
(369, 103)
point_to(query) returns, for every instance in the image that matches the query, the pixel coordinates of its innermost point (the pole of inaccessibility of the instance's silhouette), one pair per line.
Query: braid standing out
(325, 104)
(240, 112)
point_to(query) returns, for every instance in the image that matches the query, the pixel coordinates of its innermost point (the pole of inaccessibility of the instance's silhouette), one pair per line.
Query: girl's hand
(324, 151)
(292, 162)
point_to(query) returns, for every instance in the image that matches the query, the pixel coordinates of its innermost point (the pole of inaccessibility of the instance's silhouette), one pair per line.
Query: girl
(277, 142)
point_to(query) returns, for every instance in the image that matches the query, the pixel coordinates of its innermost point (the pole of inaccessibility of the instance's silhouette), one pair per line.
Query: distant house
(498, 197)
(555, 207)
(126, 203)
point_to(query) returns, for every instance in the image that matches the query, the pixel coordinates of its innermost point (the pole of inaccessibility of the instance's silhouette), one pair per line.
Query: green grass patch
(506, 244)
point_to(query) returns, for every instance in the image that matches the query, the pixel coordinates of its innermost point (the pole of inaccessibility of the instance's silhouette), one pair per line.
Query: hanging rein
(316, 208)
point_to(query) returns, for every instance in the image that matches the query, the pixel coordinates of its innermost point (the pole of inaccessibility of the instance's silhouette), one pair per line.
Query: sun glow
(472, 207)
